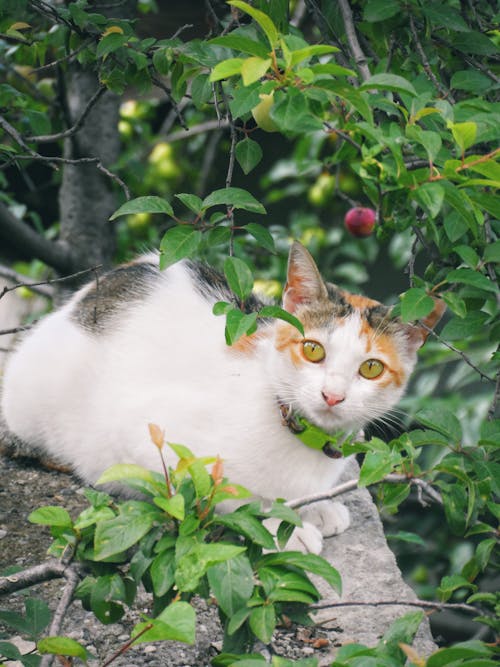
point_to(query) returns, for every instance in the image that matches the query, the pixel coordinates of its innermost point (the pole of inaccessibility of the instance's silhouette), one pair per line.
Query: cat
(143, 346)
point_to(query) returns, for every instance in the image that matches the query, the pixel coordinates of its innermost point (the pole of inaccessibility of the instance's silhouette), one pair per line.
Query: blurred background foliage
(402, 117)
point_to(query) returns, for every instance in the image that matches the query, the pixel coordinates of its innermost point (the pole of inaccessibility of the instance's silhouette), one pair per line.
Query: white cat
(144, 347)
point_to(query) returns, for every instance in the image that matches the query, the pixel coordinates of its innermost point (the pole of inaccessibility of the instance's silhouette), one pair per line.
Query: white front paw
(306, 539)
(330, 518)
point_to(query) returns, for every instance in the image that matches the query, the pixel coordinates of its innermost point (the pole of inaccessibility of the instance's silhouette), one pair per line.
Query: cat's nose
(332, 399)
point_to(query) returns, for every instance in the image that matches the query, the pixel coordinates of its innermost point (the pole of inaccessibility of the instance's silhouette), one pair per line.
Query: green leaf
(226, 69)
(391, 82)
(239, 277)
(381, 10)
(144, 205)
(111, 43)
(468, 255)
(37, 615)
(234, 197)
(462, 328)
(376, 466)
(178, 242)
(471, 81)
(291, 113)
(176, 623)
(51, 515)
(249, 154)
(405, 536)
(309, 51)
(173, 506)
(452, 583)
(492, 252)
(162, 572)
(262, 235)
(281, 314)
(309, 562)
(239, 324)
(244, 99)
(117, 535)
(472, 278)
(464, 134)
(238, 42)
(62, 646)
(254, 69)
(249, 526)
(259, 17)
(474, 42)
(192, 202)
(415, 304)
(262, 622)
(441, 420)
(231, 583)
(430, 196)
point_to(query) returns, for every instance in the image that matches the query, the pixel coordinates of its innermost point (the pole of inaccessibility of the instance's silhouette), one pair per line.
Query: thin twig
(425, 62)
(18, 280)
(25, 327)
(424, 604)
(73, 577)
(494, 401)
(47, 138)
(352, 39)
(83, 160)
(197, 129)
(67, 58)
(162, 86)
(49, 281)
(461, 354)
(123, 649)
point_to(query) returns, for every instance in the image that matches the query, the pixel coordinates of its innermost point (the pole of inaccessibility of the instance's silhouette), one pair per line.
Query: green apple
(262, 111)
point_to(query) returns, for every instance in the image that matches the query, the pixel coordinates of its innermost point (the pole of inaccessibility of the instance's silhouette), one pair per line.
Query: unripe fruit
(360, 221)
(261, 113)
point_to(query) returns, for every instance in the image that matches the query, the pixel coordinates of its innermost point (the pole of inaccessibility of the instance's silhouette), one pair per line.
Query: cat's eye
(371, 369)
(313, 351)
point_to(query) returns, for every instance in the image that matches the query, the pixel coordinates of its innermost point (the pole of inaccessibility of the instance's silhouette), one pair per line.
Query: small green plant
(173, 543)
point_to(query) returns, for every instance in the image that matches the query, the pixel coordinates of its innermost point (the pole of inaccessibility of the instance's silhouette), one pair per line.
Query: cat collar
(310, 435)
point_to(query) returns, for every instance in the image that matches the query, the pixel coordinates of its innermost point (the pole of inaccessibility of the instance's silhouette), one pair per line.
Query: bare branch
(424, 604)
(52, 569)
(197, 129)
(425, 62)
(47, 138)
(352, 484)
(72, 575)
(7, 332)
(19, 236)
(352, 39)
(19, 280)
(48, 281)
(67, 58)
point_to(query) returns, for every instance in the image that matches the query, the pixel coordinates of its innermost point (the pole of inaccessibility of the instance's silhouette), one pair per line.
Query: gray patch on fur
(212, 285)
(112, 294)
(380, 320)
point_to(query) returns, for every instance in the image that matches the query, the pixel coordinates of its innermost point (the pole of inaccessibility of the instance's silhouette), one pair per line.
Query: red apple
(360, 221)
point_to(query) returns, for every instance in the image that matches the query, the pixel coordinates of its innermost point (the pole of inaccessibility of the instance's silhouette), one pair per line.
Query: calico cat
(143, 347)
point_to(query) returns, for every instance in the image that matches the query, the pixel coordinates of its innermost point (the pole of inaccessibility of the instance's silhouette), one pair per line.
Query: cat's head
(354, 361)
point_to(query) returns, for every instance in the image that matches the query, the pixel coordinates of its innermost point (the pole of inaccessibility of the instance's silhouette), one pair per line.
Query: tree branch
(424, 604)
(19, 280)
(16, 234)
(352, 39)
(52, 569)
(47, 138)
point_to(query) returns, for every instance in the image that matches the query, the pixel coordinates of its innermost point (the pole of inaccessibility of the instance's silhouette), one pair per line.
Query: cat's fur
(142, 346)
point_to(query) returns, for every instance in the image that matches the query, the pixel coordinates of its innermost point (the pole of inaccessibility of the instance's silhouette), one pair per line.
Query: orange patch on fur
(358, 301)
(287, 338)
(383, 344)
(247, 344)
(395, 372)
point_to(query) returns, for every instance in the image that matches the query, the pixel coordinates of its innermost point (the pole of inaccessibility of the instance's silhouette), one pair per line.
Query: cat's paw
(307, 539)
(330, 518)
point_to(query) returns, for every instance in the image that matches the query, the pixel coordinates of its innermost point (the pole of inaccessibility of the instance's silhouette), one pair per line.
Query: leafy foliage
(394, 107)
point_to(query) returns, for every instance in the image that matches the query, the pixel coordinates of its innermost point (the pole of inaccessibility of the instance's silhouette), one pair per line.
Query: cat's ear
(417, 333)
(304, 283)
